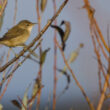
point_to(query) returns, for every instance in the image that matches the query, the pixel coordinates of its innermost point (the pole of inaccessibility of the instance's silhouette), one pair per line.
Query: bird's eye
(27, 25)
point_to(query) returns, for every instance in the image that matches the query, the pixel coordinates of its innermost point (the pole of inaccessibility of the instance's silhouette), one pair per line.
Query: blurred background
(84, 67)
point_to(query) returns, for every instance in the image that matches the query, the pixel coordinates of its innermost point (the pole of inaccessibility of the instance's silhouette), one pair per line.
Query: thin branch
(88, 7)
(55, 61)
(5, 88)
(102, 97)
(3, 7)
(8, 55)
(22, 103)
(103, 51)
(93, 22)
(40, 51)
(98, 57)
(100, 79)
(15, 12)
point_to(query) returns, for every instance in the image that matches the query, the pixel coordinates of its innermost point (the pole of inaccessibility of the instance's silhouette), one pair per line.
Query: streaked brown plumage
(17, 35)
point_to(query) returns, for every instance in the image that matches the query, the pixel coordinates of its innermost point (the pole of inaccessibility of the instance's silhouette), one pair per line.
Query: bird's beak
(34, 23)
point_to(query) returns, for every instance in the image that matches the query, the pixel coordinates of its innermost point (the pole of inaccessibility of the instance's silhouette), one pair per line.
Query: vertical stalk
(55, 61)
(40, 50)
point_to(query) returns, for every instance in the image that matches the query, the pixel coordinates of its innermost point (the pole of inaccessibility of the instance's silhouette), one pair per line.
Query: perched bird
(17, 35)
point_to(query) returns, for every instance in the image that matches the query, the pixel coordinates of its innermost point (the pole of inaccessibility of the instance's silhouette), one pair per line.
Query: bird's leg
(32, 52)
(13, 52)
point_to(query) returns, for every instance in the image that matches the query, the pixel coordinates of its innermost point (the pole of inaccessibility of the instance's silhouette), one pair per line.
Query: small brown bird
(17, 35)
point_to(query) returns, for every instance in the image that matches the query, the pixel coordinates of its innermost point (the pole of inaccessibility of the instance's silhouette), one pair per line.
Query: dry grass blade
(64, 35)
(25, 99)
(68, 82)
(67, 30)
(22, 103)
(36, 89)
(16, 103)
(43, 56)
(43, 5)
(1, 107)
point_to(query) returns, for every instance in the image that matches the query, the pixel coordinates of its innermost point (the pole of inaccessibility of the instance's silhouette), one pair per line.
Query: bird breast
(29, 29)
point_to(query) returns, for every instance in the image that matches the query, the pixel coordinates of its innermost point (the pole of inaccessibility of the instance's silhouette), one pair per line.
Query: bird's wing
(12, 33)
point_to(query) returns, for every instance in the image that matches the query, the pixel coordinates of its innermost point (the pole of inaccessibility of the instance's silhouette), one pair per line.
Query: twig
(15, 12)
(101, 100)
(103, 96)
(99, 76)
(2, 58)
(22, 103)
(40, 51)
(103, 51)
(8, 55)
(48, 102)
(87, 7)
(5, 88)
(98, 57)
(96, 27)
(55, 61)
(30, 58)
(3, 7)
(38, 15)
